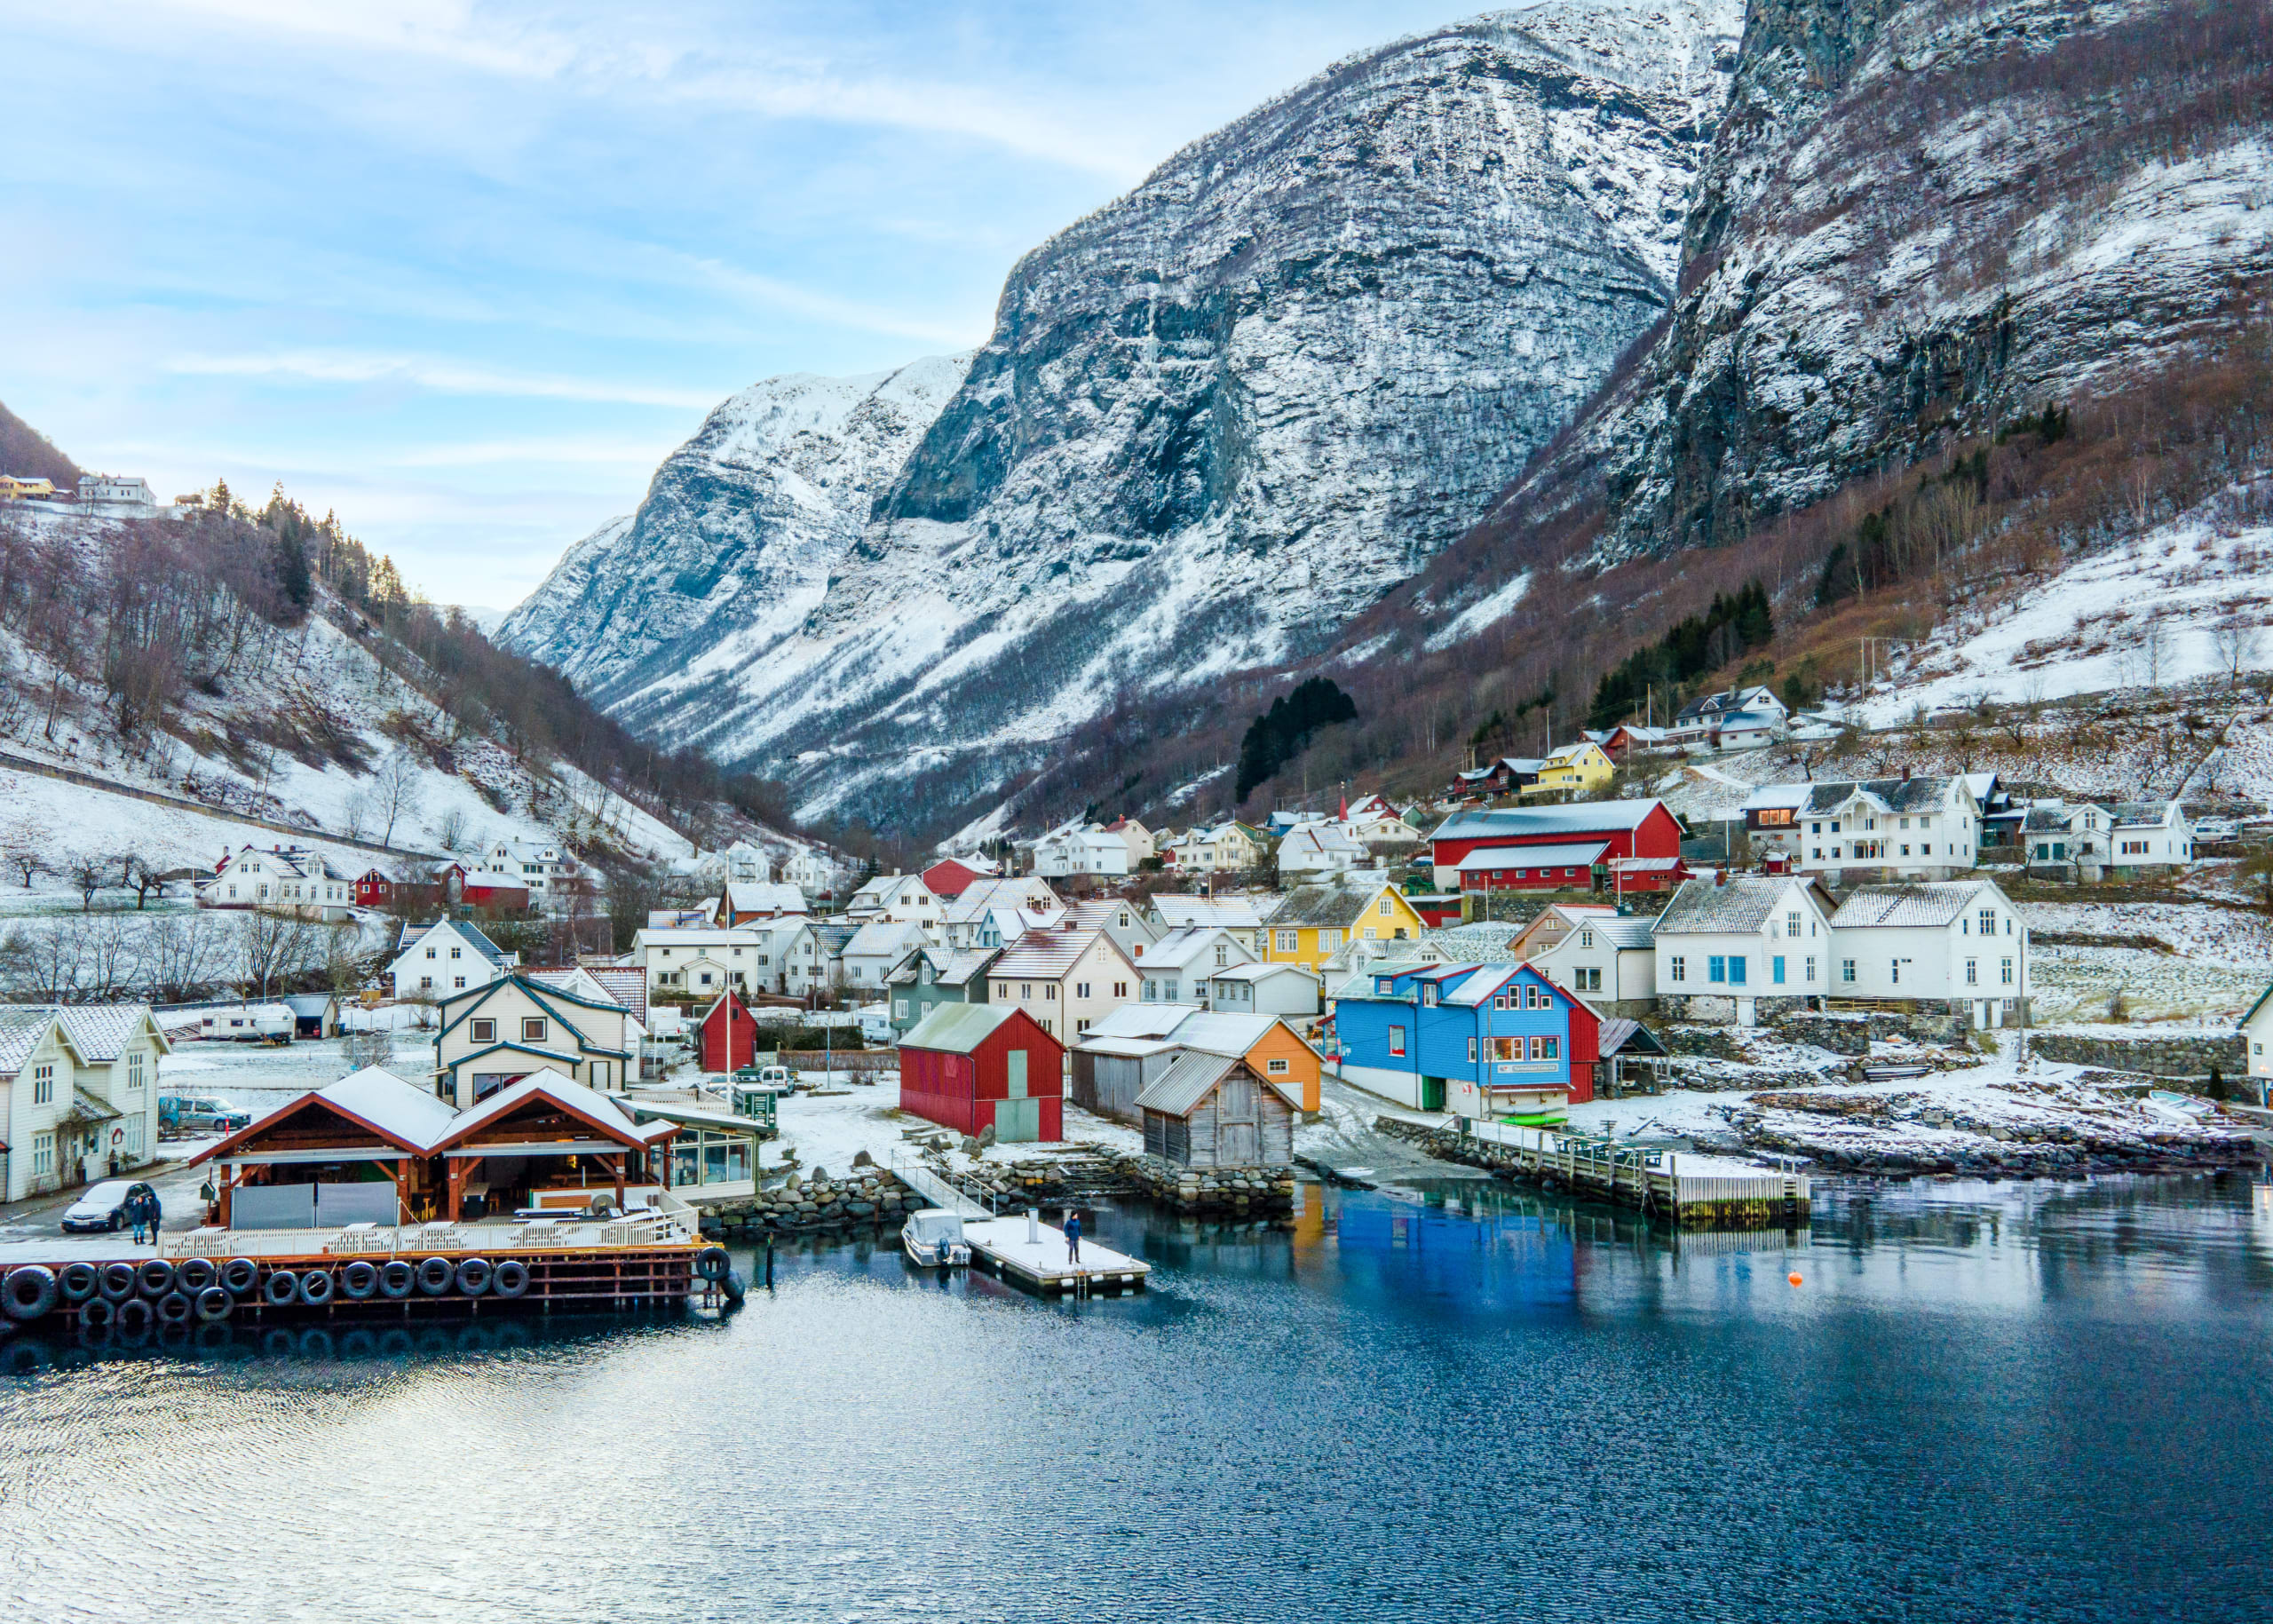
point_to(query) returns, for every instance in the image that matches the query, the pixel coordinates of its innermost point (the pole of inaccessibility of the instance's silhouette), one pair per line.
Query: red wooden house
(729, 1035)
(951, 876)
(1550, 848)
(374, 888)
(971, 1066)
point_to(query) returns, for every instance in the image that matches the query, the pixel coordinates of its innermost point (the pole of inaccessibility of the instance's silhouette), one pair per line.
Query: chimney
(1905, 775)
(1720, 877)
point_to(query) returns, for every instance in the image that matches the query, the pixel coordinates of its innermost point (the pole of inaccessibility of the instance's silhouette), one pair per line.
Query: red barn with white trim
(972, 1066)
(1548, 848)
(729, 1035)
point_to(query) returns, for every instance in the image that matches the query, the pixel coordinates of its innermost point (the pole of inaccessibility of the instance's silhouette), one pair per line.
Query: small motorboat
(932, 1239)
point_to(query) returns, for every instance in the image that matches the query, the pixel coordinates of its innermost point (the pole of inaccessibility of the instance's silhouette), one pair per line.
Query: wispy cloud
(768, 290)
(577, 450)
(440, 376)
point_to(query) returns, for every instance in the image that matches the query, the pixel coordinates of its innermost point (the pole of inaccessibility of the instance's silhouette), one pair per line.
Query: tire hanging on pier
(359, 1282)
(239, 1276)
(712, 1262)
(156, 1278)
(474, 1276)
(283, 1288)
(28, 1292)
(77, 1282)
(510, 1279)
(195, 1274)
(176, 1308)
(214, 1304)
(436, 1276)
(98, 1311)
(316, 1287)
(136, 1316)
(397, 1279)
(117, 1282)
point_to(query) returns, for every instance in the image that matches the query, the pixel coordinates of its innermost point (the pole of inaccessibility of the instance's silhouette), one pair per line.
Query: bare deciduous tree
(270, 948)
(450, 833)
(86, 873)
(395, 792)
(183, 955)
(24, 845)
(2236, 646)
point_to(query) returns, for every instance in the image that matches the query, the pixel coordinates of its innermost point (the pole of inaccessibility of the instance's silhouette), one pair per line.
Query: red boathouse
(729, 1035)
(971, 1066)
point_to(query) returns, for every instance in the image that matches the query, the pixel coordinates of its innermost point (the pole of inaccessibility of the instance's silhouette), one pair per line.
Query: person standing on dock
(1073, 1235)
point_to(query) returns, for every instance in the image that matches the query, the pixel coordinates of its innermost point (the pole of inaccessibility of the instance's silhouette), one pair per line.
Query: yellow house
(13, 486)
(1572, 769)
(1318, 920)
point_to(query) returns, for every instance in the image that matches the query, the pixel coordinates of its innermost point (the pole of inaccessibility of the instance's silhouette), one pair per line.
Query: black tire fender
(28, 1292)
(510, 1279)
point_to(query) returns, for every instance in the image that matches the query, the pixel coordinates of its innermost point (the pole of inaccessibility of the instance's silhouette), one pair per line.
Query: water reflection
(1444, 1402)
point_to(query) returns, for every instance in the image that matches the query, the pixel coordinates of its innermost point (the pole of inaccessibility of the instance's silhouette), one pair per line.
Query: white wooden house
(1868, 831)
(1263, 989)
(1177, 968)
(1612, 962)
(1724, 946)
(1063, 978)
(2149, 836)
(279, 880)
(537, 865)
(1955, 947)
(874, 951)
(450, 956)
(493, 1036)
(897, 896)
(809, 870)
(1319, 848)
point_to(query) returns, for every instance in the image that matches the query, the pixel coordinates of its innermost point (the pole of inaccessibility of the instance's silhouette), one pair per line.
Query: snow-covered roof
(1222, 1034)
(1176, 909)
(1768, 796)
(598, 1109)
(1258, 972)
(764, 896)
(957, 1028)
(400, 1110)
(20, 1031)
(1334, 904)
(1179, 948)
(885, 938)
(1532, 822)
(1481, 983)
(1899, 906)
(1576, 854)
(1622, 933)
(1044, 955)
(100, 1032)
(1142, 1020)
(1703, 907)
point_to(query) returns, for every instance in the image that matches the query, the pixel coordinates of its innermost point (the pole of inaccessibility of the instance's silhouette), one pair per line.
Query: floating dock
(1029, 1253)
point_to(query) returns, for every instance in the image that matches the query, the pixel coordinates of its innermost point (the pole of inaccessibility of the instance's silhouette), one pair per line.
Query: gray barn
(1110, 1072)
(1214, 1110)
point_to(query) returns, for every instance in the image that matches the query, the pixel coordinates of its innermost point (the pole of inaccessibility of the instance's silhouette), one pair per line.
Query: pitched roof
(1898, 795)
(957, 1028)
(763, 897)
(1257, 972)
(1334, 904)
(1743, 904)
(1222, 1034)
(1538, 822)
(407, 1116)
(598, 1109)
(1178, 1090)
(982, 896)
(1576, 854)
(100, 1032)
(1176, 908)
(888, 937)
(1180, 947)
(1897, 905)
(1142, 1020)
(1045, 955)
(20, 1031)
(1618, 1035)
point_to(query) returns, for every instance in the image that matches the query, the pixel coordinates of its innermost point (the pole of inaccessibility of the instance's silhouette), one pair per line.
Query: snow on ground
(2076, 986)
(829, 1129)
(2142, 614)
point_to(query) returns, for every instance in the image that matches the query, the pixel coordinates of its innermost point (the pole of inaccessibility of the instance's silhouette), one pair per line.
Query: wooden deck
(1001, 1246)
(1692, 1191)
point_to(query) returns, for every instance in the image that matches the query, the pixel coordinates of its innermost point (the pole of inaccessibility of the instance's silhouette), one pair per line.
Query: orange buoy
(1793, 1277)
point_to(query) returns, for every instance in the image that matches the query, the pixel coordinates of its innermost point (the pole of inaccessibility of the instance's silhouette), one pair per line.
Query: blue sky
(465, 272)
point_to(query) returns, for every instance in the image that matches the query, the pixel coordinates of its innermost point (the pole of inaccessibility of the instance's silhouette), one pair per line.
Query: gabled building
(1132, 931)
(119, 1046)
(1554, 922)
(450, 956)
(1612, 963)
(1486, 1042)
(1318, 921)
(1872, 830)
(869, 958)
(1137, 837)
(1319, 848)
(1225, 848)
(55, 1134)
(1263, 989)
(1548, 848)
(931, 976)
(1175, 969)
(1112, 1064)
(1733, 719)
(2151, 837)
(1958, 947)
(810, 871)
(1087, 851)
(1724, 946)
(989, 912)
(901, 898)
(293, 880)
(1215, 1111)
(1063, 977)
(746, 901)
(1173, 911)
(973, 1068)
(1572, 770)
(1507, 775)
(950, 876)
(492, 1036)
(538, 866)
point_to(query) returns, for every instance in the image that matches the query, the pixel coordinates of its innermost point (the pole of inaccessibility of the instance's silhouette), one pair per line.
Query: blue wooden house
(1485, 1041)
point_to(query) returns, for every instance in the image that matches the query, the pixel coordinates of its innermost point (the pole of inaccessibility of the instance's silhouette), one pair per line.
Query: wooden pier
(1687, 1190)
(1029, 1253)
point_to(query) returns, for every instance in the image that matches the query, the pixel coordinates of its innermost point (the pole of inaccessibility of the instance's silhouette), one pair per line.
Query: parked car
(2217, 829)
(201, 1114)
(103, 1206)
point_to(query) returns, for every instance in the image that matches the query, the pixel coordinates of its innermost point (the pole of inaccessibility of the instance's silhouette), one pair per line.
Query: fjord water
(1982, 1402)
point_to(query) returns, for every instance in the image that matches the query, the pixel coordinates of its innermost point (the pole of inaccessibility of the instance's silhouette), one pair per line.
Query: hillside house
(1225, 848)
(2062, 842)
(951, 876)
(1090, 849)
(696, 965)
(899, 898)
(1002, 907)
(1855, 832)
(539, 867)
(1631, 738)
(2149, 837)
(1482, 1041)
(1506, 775)
(293, 880)
(873, 951)
(1124, 921)
(1319, 848)
(747, 902)
(931, 976)
(1547, 848)
(1175, 969)
(810, 871)
(1263, 989)
(492, 890)
(491, 1036)
(1317, 922)
(1733, 719)
(1612, 963)
(1958, 947)
(1554, 922)
(1064, 977)
(1173, 911)
(450, 956)
(1214, 1110)
(1723, 946)
(1137, 837)
(973, 1066)
(1572, 770)
(744, 864)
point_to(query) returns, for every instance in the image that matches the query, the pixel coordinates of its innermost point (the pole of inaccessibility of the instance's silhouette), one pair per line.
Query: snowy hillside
(1216, 419)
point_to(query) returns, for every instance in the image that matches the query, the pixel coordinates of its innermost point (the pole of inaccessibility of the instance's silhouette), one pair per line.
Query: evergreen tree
(1285, 731)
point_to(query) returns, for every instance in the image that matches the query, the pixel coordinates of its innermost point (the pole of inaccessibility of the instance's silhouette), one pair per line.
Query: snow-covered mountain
(736, 541)
(1216, 419)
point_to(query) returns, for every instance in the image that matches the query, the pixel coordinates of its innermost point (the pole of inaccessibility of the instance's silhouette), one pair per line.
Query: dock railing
(668, 1220)
(1648, 1176)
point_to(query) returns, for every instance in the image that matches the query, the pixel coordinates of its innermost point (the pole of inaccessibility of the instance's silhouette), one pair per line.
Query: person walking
(1073, 1235)
(137, 1213)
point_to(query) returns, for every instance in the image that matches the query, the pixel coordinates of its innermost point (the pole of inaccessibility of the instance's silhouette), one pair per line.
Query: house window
(1810, 969)
(1151, 992)
(1279, 1068)
(1049, 992)
(1384, 906)
(1716, 968)
(1026, 990)
(1586, 939)
(2008, 973)
(1988, 922)
(1677, 969)
(1590, 980)
(1080, 989)
(429, 953)
(1372, 934)
(1500, 1000)
(133, 1071)
(1121, 989)
(1776, 970)
(1428, 994)
(42, 1084)
(1397, 1039)
(457, 981)
(1001, 989)
(1846, 970)
(484, 1031)
(1972, 972)
(1289, 941)
(426, 984)
(1328, 940)
(1735, 969)
(456, 953)
(43, 1154)
(1895, 968)
(533, 1029)
(1471, 1052)
(1048, 1025)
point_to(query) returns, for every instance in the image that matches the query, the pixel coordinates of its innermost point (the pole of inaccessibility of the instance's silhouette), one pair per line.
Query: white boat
(932, 1238)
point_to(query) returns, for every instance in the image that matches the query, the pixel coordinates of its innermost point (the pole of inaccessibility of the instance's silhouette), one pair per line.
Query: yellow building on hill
(14, 487)
(1317, 921)
(1572, 769)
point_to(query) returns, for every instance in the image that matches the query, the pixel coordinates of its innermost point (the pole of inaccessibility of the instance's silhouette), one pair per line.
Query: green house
(930, 977)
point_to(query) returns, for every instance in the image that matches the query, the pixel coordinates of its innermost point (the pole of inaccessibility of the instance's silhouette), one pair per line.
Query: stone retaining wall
(1853, 1034)
(868, 1195)
(2151, 1057)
